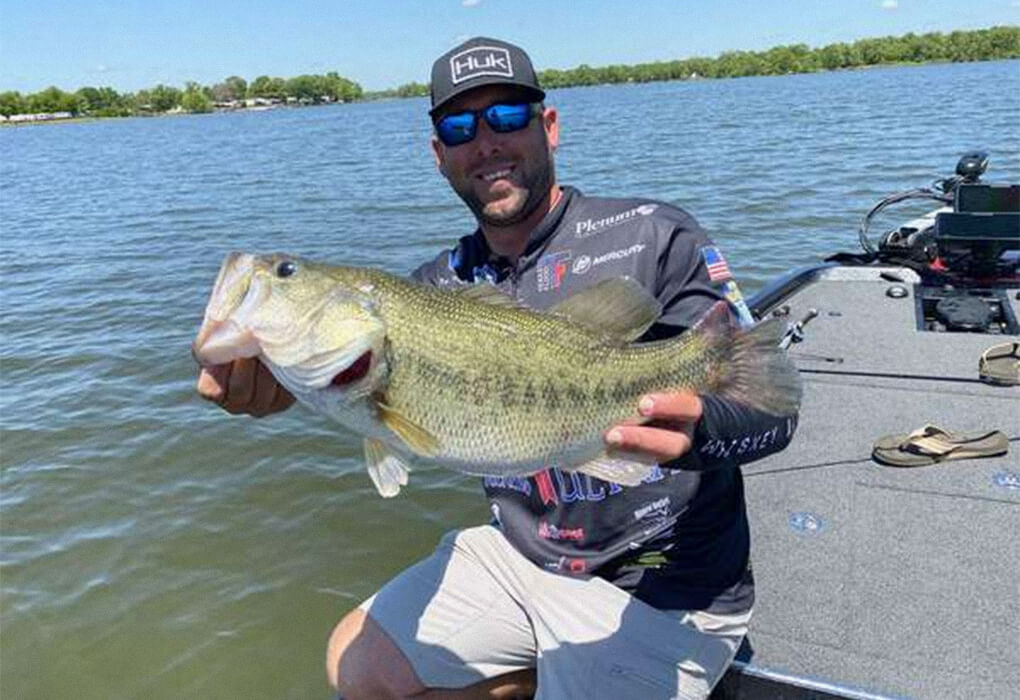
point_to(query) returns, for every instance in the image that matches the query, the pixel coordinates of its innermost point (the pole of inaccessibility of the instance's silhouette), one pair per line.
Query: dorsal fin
(487, 294)
(619, 307)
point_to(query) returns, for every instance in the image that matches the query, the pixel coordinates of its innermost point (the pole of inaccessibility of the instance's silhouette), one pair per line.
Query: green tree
(307, 88)
(342, 89)
(11, 102)
(163, 98)
(266, 87)
(53, 99)
(142, 101)
(238, 86)
(412, 90)
(103, 102)
(231, 89)
(195, 98)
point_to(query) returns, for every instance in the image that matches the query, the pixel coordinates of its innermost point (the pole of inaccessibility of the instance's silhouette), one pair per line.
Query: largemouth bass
(468, 378)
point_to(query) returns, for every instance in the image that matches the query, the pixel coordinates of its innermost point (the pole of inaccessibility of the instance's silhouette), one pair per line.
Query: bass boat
(886, 537)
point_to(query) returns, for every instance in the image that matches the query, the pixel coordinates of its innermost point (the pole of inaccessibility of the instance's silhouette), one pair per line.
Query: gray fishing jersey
(678, 540)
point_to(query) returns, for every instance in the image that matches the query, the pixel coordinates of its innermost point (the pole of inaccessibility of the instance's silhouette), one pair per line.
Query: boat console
(965, 252)
(972, 240)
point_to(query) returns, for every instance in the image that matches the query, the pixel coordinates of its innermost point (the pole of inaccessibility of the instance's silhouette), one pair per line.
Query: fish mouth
(354, 371)
(222, 338)
(220, 342)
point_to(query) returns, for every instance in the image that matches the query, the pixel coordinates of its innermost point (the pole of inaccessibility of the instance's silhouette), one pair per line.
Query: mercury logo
(480, 60)
(619, 254)
(585, 262)
(582, 265)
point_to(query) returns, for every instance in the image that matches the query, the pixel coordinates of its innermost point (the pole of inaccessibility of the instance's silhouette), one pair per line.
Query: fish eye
(286, 268)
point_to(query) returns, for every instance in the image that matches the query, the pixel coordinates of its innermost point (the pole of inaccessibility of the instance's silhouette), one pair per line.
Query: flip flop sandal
(1000, 364)
(932, 444)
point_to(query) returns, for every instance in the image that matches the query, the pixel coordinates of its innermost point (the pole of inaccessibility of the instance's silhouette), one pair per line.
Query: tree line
(196, 98)
(958, 46)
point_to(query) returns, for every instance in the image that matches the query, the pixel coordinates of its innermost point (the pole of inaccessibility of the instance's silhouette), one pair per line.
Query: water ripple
(143, 529)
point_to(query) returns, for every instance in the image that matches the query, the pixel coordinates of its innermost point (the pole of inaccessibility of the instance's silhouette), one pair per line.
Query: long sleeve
(733, 433)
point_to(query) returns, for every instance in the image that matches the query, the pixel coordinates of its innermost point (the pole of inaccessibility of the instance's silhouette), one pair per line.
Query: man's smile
(491, 174)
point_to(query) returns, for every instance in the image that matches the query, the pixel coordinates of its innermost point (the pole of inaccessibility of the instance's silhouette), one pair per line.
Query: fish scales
(468, 379)
(484, 381)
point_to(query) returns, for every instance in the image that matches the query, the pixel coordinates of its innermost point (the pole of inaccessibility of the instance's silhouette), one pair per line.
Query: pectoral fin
(620, 471)
(417, 439)
(387, 470)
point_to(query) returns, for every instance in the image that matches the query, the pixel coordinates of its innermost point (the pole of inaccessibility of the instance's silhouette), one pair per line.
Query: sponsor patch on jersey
(718, 270)
(659, 508)
(586, 262)
(552, 268)
(732, 293)
(591, 227)
(548, 531)
(582, 265)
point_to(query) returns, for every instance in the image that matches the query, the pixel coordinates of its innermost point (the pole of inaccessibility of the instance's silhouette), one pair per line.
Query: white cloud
(890, 4)
(470, 3)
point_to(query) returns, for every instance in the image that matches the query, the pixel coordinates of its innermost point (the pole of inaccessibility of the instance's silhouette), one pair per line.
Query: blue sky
(132, 44)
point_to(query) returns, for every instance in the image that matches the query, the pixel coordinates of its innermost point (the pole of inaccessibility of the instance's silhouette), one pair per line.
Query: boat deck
(876, 581)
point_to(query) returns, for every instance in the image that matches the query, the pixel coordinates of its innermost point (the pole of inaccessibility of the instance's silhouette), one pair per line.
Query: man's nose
(487, 141)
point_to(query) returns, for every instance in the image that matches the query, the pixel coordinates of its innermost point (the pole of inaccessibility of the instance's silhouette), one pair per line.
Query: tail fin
(748, 366)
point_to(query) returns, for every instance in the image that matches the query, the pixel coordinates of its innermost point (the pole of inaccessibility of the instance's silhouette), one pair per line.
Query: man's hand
(668, 434)
(244, 386)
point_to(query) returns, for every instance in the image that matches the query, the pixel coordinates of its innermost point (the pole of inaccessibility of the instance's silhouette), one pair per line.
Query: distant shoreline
(284, 106)
(264, 92)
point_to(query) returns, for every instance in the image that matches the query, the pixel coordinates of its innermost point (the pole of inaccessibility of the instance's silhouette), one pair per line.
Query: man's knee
(363, 662)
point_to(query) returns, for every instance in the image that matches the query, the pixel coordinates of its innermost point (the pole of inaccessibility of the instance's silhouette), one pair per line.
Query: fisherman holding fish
(616, 563)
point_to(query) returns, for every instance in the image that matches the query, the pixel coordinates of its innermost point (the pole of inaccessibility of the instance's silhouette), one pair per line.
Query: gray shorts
(476, 608)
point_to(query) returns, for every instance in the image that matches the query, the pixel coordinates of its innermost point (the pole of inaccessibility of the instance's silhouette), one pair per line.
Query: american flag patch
(718, 270)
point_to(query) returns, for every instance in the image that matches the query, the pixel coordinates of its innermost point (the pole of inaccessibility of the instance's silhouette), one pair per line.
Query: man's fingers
(269, 396)
(241, 385)
(680, 406)
(244, 386)
(212, 382)
(664, 444)
(284, 400)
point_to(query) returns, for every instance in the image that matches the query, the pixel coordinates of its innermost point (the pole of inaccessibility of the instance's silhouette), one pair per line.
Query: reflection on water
(153, 546)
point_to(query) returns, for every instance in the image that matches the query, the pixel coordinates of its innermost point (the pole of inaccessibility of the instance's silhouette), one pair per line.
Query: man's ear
(551, 124)
(437, 153)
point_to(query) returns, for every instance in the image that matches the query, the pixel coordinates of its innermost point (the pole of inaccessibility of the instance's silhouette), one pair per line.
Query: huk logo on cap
(480, 60)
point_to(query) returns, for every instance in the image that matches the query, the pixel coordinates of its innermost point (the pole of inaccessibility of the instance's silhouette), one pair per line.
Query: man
(578, 588)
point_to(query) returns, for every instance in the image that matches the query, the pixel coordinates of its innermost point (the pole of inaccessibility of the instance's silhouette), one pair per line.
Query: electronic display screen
(988, 198)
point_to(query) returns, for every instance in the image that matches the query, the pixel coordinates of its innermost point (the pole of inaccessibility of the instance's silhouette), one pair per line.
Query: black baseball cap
(482, 61)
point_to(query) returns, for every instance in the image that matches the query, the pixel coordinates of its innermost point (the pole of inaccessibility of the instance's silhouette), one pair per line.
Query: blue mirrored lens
(455, 129)
(504, 118)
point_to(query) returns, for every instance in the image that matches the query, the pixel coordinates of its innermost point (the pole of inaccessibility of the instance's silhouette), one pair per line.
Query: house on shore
(38, 117)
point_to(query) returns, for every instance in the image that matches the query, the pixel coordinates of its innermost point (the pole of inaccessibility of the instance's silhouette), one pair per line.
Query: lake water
(154, 547)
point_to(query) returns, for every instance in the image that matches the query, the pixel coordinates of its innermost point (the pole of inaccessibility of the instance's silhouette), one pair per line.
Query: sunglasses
(503, 118)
